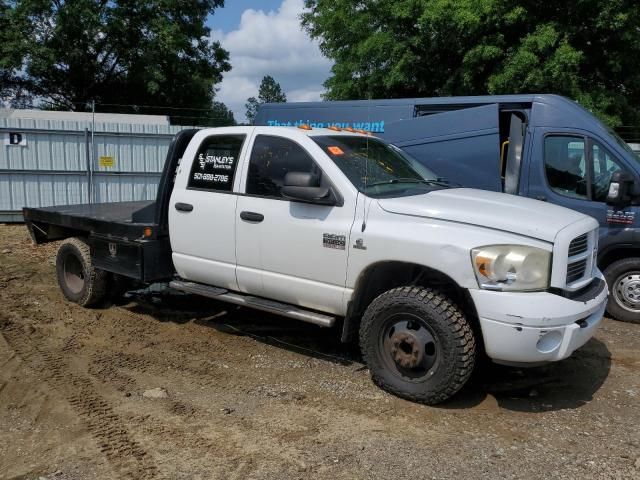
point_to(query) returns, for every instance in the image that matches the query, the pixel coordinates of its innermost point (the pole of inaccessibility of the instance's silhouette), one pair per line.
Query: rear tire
(79, 280)
(623, 279)
(417, 344)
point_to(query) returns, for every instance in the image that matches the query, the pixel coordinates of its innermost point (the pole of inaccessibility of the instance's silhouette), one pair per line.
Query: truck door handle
(542, 198)
(252, 217)
(183, 207)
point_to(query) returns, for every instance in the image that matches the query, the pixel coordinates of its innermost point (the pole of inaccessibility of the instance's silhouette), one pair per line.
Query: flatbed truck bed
(126, 238)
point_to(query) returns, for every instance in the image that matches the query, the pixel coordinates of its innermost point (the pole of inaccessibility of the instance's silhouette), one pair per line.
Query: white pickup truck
(328, 226)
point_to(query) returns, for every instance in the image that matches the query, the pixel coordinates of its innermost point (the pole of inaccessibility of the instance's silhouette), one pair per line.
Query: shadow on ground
(567, 384)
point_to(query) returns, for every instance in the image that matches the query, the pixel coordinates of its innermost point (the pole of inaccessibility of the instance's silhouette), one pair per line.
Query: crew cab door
(202, 209)
(290, 251)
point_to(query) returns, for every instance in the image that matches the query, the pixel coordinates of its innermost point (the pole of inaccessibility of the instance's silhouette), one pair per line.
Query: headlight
(511, 267)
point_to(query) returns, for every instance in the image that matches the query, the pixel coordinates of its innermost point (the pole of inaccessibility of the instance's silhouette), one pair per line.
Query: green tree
(269, 92)
(11, 48)
(221, 115)
(583, 49)
(118, 53)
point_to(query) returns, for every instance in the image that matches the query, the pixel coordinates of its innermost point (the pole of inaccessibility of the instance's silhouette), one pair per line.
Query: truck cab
(544, 147)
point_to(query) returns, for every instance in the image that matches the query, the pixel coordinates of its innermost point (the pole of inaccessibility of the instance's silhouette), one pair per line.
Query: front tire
(417, 344)
(79, 280)
(623, 279)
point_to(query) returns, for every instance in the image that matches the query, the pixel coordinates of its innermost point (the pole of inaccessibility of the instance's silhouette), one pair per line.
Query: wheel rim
(73, 273)
(626, 291)
(409, 347)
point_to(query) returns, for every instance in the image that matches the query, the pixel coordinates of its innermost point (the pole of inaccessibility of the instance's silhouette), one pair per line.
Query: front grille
(580, 258)
(579, 245)
(576, 270)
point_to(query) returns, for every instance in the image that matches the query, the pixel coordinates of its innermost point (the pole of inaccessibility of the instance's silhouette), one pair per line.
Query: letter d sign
(15, 138)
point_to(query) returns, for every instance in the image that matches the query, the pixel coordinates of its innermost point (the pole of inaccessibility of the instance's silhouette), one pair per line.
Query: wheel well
(616, 254)
(384, 276)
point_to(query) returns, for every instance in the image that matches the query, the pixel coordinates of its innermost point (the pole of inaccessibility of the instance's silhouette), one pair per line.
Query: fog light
(549, 341)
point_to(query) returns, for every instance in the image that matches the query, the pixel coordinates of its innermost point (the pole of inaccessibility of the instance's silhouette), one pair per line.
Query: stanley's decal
(329, 240)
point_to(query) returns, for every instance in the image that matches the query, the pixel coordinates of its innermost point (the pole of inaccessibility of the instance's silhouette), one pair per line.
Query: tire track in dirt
(109, 430)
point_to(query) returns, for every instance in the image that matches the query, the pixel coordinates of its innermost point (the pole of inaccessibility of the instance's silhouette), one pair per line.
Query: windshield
(377, 169)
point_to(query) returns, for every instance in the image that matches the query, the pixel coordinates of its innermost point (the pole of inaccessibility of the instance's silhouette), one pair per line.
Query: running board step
(258, 303)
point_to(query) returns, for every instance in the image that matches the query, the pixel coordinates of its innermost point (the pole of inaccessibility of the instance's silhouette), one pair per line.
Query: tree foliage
(269, 92)
(584, 49)
(221, 115)
(116, 52)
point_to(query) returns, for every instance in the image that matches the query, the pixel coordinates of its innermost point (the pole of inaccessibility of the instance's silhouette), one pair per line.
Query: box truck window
(565, 165)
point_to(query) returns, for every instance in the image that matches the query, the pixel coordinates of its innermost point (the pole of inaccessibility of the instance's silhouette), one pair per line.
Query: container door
(462, 146)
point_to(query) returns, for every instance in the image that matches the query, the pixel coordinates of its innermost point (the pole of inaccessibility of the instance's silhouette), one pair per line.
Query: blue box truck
(545, 147)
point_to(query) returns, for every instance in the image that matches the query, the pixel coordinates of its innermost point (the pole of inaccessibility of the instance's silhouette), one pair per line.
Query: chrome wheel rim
(626, 291)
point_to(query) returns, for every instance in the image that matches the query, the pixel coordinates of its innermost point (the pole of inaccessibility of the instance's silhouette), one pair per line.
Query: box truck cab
(546, 147)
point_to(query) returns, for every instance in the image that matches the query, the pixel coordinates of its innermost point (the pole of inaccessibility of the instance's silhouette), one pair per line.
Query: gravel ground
(166, 386)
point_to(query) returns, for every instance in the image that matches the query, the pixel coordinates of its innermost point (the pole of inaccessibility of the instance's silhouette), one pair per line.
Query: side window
(566, 165)
(215, 164)
(271, 159)
(603, 167)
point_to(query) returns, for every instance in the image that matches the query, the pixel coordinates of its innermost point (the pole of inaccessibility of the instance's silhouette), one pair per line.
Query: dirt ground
(251, 395)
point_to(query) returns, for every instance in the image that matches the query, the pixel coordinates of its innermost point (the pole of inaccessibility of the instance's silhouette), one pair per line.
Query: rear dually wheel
(79, 280)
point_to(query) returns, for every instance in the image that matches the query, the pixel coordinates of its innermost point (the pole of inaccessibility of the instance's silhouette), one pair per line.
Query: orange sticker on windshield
(335, 150)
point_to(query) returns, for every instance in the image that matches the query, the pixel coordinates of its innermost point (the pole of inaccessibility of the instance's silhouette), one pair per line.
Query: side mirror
(305, 187)
(620, 189)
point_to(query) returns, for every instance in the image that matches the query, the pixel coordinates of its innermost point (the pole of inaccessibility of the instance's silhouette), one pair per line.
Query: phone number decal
(211, 177)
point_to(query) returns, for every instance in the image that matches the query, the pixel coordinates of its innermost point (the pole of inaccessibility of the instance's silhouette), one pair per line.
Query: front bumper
(534, 327)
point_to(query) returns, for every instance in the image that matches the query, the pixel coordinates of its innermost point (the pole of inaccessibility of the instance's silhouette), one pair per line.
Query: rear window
(215, 164)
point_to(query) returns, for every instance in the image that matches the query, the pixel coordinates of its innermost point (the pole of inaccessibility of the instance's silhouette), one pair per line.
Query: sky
(264, 37)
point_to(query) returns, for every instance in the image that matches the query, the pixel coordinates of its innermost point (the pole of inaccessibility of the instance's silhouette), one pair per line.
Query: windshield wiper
(398, 180)
(447, 183)
(441, 182)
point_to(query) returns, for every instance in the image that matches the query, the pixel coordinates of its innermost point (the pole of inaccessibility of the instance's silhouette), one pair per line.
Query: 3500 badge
(330, 240)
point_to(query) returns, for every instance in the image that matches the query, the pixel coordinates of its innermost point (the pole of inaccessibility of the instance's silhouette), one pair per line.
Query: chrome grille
(579, 245)
(576, 270)
(580, 259)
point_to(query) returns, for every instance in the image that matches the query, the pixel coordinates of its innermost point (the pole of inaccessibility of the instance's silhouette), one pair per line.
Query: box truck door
(513, 159)
(462, 145)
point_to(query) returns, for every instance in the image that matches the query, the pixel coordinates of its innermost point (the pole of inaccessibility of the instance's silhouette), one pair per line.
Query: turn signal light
(148, 232)
(304, 126)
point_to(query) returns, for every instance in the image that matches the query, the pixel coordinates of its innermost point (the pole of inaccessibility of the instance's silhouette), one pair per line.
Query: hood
(498, 211)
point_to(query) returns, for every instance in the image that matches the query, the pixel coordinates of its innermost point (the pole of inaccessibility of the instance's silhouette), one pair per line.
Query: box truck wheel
(79, 280)
(417, 344)
(623, 278)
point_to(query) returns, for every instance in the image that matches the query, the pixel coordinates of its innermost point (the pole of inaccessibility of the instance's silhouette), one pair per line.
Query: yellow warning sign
(107, 161)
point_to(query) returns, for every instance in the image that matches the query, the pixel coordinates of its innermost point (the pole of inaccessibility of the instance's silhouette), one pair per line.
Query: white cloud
(271, 43)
